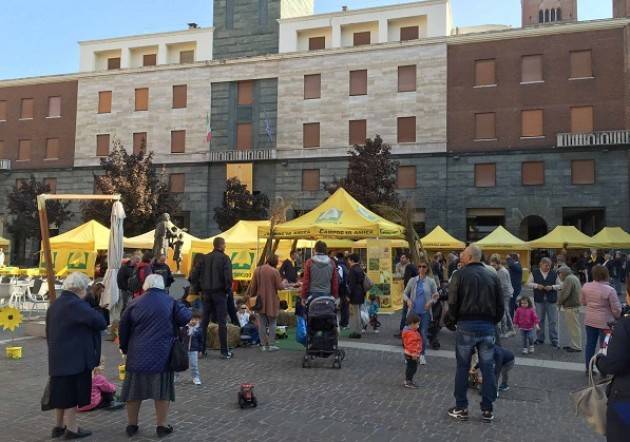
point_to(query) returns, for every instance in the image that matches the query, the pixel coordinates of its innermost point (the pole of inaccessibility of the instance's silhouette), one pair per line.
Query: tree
(144, 192)
(24, 221)
(372, 174)
(239, 204)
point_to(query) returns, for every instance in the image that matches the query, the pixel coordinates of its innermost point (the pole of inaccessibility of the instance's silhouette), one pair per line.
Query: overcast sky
(39, 37)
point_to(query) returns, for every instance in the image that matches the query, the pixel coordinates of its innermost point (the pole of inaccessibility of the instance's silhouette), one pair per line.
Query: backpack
(133, 283)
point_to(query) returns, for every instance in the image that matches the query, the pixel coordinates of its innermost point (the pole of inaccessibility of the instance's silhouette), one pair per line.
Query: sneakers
(487, 416)
(227, 355)
(196, 381)
(410, 384)
(273, 348)
(460, 414)
(504, 387)
(422, 360)
(525, 351)
(531, 349)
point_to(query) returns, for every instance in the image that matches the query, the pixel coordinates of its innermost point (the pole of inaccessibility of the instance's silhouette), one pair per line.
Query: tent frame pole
(44, 228)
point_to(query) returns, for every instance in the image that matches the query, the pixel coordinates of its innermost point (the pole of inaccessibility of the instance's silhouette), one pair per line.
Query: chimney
(344, 8)
(192, 26)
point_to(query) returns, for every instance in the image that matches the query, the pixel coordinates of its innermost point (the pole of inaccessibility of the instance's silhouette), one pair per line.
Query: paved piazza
(364, 401)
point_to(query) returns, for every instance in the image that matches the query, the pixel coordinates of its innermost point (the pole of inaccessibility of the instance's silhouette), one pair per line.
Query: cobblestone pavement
(364, 401)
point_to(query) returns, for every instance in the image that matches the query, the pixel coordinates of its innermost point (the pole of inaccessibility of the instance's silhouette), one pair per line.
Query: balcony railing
(231, 156)
(604, 138)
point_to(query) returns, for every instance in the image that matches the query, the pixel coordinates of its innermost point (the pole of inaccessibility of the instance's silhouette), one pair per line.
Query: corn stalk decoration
(278, 211)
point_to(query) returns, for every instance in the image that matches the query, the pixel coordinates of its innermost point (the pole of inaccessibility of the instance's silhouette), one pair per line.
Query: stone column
(383, 30)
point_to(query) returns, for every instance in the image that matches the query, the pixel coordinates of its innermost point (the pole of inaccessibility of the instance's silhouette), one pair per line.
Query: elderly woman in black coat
(74, 348)
(617, 363)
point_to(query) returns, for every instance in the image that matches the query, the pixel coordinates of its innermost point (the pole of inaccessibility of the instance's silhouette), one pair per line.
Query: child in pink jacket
(102, 395)
(527, 321)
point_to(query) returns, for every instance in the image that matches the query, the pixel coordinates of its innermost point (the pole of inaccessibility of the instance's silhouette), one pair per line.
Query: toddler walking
(527, 321)
(373, 313)
(412, 343)
(195, 345)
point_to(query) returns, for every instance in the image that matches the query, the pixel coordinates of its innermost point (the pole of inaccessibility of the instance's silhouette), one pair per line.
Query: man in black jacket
(125, 272)
(476, 305)
(214, 275)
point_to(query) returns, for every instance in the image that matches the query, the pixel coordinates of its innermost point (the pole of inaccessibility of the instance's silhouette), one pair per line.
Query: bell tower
(539, 12)
(621, 8)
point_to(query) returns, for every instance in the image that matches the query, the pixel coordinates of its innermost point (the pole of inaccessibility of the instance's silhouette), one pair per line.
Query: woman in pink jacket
(602, 307)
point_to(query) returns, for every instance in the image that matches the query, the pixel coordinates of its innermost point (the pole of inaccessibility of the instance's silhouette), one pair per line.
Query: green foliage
(144, 192)
(372, 174)
(239, 204)
(24, 217)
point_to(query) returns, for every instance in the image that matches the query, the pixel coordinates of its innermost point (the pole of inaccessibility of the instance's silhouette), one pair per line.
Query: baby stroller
(322, 331)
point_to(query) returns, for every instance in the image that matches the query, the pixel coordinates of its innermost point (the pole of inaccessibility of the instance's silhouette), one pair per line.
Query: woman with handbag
(148, 336)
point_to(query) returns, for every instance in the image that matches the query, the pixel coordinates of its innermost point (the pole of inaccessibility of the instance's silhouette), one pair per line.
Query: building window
(406, 177)
(406, 129)
(480, 222)
(142, 99)
(139, 142)
(243, 172)
(361, 38)
(582, 172)
(245, 93)
(531, 68)
(26, 109)
(358, 82)
(263, 12)
(533, 173)
(149, 59)
(409, 33)
(186, 57)
(180, 96)
(316, 43)
(532, 123)
(407, 78)
(588, 220)
(558, 14)
(104, 102)
(2, 149)
(52, 184)
(541, 16)
(581, 64)
(310, 133)
(485, 126)
(310, 180)
(244, 136)
(485, 175)
(582, 119)
(312, 86)
(177, 183)
(178, 141)
(553, 15)
(485, 73)
(358, 132)
(229, 14)
(52, 148)
(113, 63)
(54, 107)
(547, 16)
(3, 110)
(24, 150)
(102, 145)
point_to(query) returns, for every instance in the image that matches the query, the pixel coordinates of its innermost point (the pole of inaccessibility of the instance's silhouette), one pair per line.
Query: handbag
(258, 304)
(178, 360)
(592, 402)
(367, 283)
(45, 402)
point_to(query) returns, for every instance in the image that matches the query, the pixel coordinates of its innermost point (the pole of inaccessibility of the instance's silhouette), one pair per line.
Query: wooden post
(43, 225)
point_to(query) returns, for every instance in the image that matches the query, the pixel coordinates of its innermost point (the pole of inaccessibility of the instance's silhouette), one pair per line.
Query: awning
(89, 236)
(613, 238)
(564, 237)
(501, 239)
(440, 239)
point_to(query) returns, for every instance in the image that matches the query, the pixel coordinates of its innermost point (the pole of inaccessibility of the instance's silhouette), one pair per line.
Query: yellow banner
(68, 261)
(379, 270)
(243, 263)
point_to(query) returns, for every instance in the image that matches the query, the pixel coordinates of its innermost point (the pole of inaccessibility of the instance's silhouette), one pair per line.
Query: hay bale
(233, 336)
(286, 318)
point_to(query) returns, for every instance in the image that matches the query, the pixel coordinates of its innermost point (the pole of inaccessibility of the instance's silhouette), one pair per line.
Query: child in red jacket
(412, 343)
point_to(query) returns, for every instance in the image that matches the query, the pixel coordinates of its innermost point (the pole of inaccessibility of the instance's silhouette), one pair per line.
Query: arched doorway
(532, 227)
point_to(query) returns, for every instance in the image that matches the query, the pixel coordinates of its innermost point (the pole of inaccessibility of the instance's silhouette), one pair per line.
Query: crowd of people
(484, 303)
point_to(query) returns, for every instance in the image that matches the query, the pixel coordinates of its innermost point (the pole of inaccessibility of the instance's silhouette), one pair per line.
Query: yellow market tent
(564, 237)
(145, 242)
(501, 239)
(339, 217)
(613, 238)
(76, 250)
(440, 239)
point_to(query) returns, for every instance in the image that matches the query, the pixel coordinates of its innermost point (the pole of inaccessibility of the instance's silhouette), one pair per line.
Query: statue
(161, 236)
(176, 242)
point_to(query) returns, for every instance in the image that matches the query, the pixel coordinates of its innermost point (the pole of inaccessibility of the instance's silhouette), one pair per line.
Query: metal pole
(43, 225)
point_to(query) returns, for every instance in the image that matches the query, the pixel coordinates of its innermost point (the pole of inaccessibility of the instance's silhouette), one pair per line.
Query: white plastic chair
(38, 297)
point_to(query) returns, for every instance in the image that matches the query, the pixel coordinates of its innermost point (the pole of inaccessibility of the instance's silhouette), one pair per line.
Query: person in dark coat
(516, 276)
(147, 333)
(125, 272)
(74, 348)
(213, 275)
(288, 270)
(344, 291)
(616, 362)
(160, 267)
(356, 277)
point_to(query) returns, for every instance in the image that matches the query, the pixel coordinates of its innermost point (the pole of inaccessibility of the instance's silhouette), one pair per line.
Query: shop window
(588, 220)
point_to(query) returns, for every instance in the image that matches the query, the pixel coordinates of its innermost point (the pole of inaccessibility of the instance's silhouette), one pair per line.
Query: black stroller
(322, 339)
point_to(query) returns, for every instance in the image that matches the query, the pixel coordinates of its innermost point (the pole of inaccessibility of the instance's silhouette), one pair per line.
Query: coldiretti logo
(329, 216)
(366, 214)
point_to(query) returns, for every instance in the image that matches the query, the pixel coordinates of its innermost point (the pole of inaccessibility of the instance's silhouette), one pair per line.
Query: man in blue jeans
(475, 305)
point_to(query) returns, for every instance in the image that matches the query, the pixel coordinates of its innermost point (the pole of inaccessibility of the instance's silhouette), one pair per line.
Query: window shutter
(113, 63)
(532, 123)
(142, 99)
(316, 43)
(485, 126)
(312, 86)
(406, 177)
(407, 78)
(3, 110)
(24, 150)
(358, 132)
(102, 145)
(531, 68)
(244, 172)
(582, 119)
(180, 96)
(54, 106)
(485, 175)
(104, 102)
(52, 148)
(533, 173)
(186, 57)
(310, 180)
(406, 129)
(409, 33)
(245, 93)
(149, 59)
(583, 172)
(244, 138)
(26, 110)
(361, 38)
(178, 141)
(177, 182)
(581, 64)
(52, 184)
(485, 73)
(311, 135)
(139, 142)
(358, 82)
